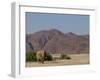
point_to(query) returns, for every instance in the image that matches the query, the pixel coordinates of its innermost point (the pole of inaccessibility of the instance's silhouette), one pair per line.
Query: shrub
(68, 57)
(48, 57)
(64, 56)
(31, 56)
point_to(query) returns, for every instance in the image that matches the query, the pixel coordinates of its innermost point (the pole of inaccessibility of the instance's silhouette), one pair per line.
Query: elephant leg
(42, 61)
(38, 60)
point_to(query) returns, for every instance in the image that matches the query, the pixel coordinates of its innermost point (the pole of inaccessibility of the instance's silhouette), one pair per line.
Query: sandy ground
(76, 59)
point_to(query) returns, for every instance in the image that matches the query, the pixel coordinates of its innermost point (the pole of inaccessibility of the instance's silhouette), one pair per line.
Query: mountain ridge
(55, 41)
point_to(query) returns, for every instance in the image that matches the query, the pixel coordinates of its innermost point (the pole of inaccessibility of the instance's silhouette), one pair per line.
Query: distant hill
(55, 41)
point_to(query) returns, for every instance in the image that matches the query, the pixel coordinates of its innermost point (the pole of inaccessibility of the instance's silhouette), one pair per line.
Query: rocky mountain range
(55, 41)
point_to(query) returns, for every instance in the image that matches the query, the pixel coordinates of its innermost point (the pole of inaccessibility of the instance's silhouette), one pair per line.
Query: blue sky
(78, 24)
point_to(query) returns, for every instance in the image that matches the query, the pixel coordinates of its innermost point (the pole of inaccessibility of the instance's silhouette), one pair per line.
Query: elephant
(40, 55)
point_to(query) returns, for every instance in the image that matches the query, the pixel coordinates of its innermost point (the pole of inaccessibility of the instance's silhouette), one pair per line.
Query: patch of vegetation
(31, 56)
(48, 57)
(64, 56)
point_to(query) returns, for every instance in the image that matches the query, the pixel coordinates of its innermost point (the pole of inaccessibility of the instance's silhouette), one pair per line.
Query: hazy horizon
(78, 24)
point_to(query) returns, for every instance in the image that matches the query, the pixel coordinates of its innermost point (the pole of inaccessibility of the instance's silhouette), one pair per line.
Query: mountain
(55, 41)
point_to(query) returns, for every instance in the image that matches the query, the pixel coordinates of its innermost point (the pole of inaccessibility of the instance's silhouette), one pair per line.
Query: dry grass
(76, 59)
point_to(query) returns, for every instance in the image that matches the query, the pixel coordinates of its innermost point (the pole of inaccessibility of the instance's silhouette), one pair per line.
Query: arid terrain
(55, 41)
(62, 48)
(76, 59)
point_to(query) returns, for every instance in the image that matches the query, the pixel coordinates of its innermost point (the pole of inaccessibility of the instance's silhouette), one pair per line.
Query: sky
(78, 24)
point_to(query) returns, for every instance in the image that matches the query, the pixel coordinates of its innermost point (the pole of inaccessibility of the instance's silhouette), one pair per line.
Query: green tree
(30, 56)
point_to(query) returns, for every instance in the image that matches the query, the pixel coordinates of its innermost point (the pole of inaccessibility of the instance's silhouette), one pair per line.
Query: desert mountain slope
(55, 41)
